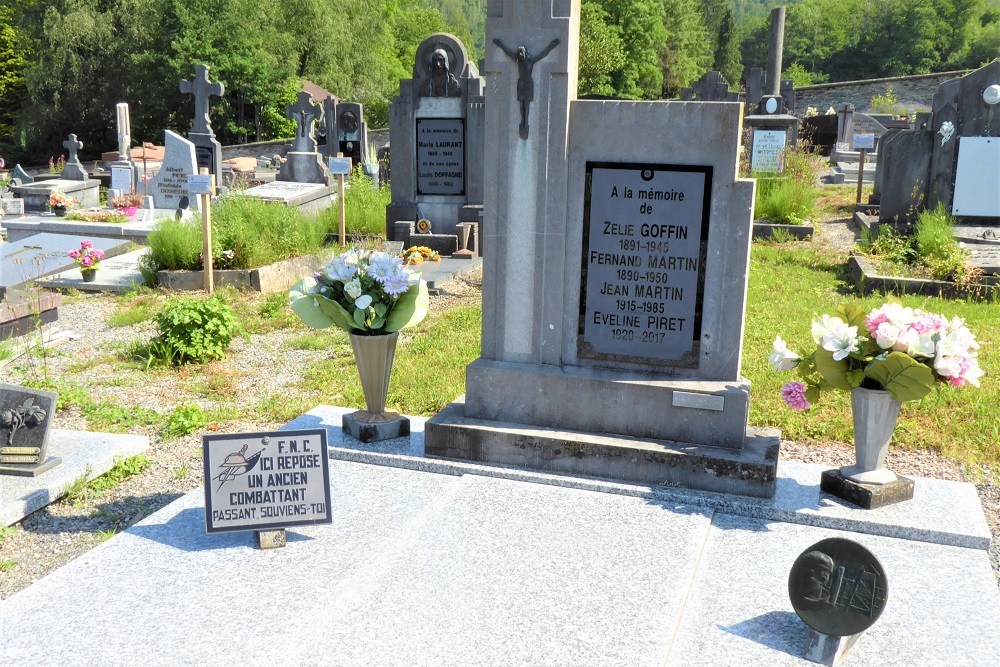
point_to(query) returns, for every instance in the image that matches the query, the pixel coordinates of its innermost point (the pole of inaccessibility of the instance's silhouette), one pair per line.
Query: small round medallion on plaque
(423, 226)
(771, 105)
(837, 587)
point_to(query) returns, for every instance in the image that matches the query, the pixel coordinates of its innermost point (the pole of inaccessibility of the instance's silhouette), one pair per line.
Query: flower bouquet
(60, 203)
(901, 350)
(88, 258)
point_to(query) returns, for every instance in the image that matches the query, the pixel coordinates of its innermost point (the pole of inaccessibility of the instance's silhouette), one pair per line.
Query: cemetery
(534, 346)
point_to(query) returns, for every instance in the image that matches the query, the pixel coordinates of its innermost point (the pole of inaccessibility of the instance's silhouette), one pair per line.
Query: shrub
(175, 245)
(364, 207)
(937, 248)
(183, 420)
(193, 330)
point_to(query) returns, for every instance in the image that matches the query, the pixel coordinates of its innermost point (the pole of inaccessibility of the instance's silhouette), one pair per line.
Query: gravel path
(261, 368)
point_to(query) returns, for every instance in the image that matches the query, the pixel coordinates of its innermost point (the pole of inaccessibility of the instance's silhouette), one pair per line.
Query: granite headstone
(169, 186)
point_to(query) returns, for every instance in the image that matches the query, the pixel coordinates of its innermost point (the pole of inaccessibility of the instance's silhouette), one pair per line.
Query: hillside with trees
(65, 63)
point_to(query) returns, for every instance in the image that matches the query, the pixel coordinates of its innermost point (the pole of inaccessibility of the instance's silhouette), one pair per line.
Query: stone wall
(912, 91)
(282, 146)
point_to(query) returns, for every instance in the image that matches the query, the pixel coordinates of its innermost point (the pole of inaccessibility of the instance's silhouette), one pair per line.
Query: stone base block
(21, 470)
(750, 472)
(36, 195)
(866, 496)
(828, 649)
(365, 431)
(271, 539)
(23, 312)
(618, 403)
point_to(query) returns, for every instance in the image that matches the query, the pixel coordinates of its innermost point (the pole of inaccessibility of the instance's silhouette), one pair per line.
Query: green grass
(364, 207)
(428, 371)
(788, 199)
(7, 564)
(789, 286)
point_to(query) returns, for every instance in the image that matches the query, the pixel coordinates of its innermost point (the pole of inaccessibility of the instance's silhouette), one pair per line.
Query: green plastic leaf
(410, 309)
(381, 309)
(854, 315)
(359, 318)
(317, 311)
(902, 376)
(834, 372)
(812, 393)
(337, 313)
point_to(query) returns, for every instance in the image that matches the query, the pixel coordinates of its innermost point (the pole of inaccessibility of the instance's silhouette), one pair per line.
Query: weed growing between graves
(7, 564)
(789, 199)
(364, 207)
(180, 472)
(931, 252)
(136, 307)
(428, 372)
(185, 419)
(247, 233)
(82, 491)
(789, 284)
(101, 415)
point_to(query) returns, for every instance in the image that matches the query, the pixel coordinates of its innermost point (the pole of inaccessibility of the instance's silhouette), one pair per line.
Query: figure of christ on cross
(304, 112)
(525, 85)
(201, 88)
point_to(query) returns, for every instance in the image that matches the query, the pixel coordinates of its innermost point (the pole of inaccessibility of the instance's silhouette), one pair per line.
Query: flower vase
(875, 412)
(89, 275)
(373, 356)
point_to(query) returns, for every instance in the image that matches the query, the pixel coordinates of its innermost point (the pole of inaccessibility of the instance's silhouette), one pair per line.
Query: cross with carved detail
(72, 144)
(304, 112)
(201, 88)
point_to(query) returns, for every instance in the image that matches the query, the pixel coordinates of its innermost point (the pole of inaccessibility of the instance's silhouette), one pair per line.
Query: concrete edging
(868, 281)
(266, 279)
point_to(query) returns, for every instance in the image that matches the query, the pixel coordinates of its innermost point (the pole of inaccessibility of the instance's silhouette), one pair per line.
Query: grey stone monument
(772, 119)
(303, 163)
(25, 419)
(169, 187)
(125, 144)
(615, 278)
(20, 177)
(329, 125)
(73, 170)
(954, 161)
(711, 87)
(351, 132)
(436, 130)
(208, 151)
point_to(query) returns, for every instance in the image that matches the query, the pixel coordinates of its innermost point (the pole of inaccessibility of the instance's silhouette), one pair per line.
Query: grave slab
(118, 274)
(943, 606)
(36, 195)
(416, 568)
(43, 254)
(82, 453)
(309, 198)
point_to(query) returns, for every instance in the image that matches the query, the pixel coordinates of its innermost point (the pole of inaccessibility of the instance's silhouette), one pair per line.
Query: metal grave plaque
(441, 156)
(645, 234)
(767, 147)
(266, 481)
(25, 420)
(837, 587)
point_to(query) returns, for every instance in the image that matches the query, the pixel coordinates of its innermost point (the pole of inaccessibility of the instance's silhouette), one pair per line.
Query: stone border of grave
(266, 279)
(764, 230)
(864, 275)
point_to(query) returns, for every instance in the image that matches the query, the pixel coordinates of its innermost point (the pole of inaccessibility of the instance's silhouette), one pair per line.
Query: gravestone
(25, 420)
(436, 138)
(73, 170)
(20, 177)
(169, 187)
(614, 281)
(929, 168)
(208, 151)
(309, 198)
(767, 150)
(36, 194)
(711, 87)
(351, 132)
(329, 127)
(124, 161)
(304, 164)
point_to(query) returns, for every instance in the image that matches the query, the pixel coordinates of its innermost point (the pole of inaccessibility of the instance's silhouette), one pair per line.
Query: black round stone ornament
(837, 587)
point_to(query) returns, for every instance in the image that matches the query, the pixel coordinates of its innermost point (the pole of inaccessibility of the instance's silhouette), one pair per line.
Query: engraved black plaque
(838, 587)
(645, 232)
(440, 156)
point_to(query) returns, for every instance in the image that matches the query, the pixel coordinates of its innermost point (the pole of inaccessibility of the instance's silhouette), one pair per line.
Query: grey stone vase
(875, 413)
(374, 356)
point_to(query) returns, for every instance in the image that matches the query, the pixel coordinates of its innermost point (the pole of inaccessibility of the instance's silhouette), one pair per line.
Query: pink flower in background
(86, 256)
(74, 253)
(794, 394)
(86, 244)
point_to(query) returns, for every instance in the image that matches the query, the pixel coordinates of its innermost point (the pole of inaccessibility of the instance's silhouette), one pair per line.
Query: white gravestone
(766, 152)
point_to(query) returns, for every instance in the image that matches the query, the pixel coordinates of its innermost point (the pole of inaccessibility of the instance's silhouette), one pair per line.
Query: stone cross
(124, 131)
(845, 111)
(201, 88)
(304, 112)
(72, 144)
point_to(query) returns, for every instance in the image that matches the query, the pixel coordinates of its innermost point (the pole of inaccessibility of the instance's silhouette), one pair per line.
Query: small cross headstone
(304, 112)
(202, 89)
(73, 170)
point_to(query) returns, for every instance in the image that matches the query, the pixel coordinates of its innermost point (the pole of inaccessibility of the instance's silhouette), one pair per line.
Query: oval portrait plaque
(838, 587)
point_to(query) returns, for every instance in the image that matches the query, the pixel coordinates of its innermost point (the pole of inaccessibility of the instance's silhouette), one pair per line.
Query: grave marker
(304, 164)
(25, 420)
(266, 481)
(169, 187)
(767, 150)
(73, 170)
(208, 151)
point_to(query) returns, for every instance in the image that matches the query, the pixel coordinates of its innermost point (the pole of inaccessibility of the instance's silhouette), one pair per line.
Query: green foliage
(121, 471)
(885, 103)
(902, 376)
(174, 245)
(938, 249)
(193, 330)
(364, 207)
(185, 419)
(7, 564)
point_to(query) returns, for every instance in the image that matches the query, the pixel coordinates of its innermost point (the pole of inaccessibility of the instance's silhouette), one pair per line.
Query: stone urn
(374, 356)
(875, 412)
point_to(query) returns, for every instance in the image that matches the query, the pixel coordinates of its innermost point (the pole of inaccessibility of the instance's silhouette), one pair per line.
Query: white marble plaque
(643, 261)
(121, 179)
(440, 156)
(767, 148)
(977, 187)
